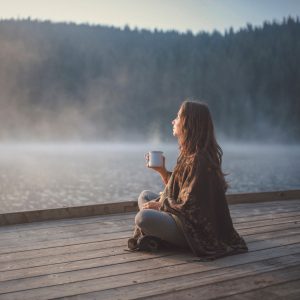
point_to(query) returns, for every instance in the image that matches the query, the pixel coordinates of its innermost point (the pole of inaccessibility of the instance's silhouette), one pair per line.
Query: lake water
(50, 176)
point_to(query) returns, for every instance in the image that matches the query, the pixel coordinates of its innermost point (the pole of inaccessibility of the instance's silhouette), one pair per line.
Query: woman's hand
(161, 169)
(152, 205)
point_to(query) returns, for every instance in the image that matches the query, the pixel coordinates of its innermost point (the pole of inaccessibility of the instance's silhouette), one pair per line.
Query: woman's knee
(147, 195)
(143, 218)
(161, 225)
(144, 195)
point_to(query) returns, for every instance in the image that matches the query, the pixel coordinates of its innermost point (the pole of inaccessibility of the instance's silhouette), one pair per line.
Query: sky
(180, 15)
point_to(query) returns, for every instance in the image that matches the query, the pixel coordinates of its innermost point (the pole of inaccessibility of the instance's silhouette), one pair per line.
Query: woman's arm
(165, 175)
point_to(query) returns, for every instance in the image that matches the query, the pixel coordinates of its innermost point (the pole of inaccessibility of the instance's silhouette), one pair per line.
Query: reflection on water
(48, 176)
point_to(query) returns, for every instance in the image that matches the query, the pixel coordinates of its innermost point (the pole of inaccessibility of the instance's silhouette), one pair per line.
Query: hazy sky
(196, 15)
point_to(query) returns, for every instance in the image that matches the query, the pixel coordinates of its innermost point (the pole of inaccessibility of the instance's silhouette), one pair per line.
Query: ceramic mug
(155, 159)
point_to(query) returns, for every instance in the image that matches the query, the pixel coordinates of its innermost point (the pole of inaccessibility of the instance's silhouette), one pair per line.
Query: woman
(192, 210)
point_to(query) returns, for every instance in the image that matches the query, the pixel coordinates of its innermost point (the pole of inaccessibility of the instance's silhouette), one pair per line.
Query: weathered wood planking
(103, 248)
(262, 196)
(127, 206)
(119, 226)
(15, 260)
(260, 211)
(103, 258)
(85, 259)
(67, 212)
(109, 263)
(99, 231)
(155, 281)
(257, 281)
(279, 291)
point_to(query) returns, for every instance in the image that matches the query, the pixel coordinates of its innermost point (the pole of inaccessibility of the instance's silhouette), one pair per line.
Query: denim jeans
(158, 223)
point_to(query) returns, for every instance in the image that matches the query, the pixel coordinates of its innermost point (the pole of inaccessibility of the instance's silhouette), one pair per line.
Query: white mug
(155, 159)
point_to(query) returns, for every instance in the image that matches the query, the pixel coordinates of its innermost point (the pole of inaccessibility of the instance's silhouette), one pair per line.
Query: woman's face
(177, 124)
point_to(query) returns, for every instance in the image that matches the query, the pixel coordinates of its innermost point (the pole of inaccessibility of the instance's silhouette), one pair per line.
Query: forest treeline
(68, 81)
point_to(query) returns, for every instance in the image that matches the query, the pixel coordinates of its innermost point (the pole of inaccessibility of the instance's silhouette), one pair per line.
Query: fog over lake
(39, 176)
(80, 82)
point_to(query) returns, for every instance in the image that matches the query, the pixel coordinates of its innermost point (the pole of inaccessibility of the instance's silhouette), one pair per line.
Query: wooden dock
(85, 258)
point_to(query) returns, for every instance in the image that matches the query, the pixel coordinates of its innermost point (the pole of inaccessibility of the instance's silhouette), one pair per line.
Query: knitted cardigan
(195, 197)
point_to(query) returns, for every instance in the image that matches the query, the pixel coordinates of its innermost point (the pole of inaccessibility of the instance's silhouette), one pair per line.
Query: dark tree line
(60, 81)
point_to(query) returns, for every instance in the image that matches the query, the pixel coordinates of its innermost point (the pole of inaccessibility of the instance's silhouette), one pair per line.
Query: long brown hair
(197, 136)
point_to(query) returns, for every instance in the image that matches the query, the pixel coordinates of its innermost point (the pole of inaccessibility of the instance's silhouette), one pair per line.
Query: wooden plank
(53, 263)
(112, 226)
(262, 208)
(61, 240)
(65, 222)
(97, 261)
(40, 270)
(262, 196)
(208, 289)
(85, 255)
(127, 206)
(5, 247)
(67, 212)
(279, 291)
(267, 222)
(110, 265)
(271, 235)
(267, 228)
(21, 246)
(243, 210)
(272, 216)
(278, 205)
(138, 283)
(55, 259)
(24, 266)
(44, 252)
(90, 273)
(15, 239)
(48, 236)
(273, 243)
(41, 226)
(82, 229)
(83, 275)
(236, 288)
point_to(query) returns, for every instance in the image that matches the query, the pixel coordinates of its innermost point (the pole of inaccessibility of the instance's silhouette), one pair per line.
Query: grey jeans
(158, 223)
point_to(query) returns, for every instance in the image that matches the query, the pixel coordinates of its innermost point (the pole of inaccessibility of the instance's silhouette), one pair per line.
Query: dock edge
(12, 218)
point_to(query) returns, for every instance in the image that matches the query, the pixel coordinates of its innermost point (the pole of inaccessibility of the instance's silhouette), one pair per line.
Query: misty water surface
(49, 176)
